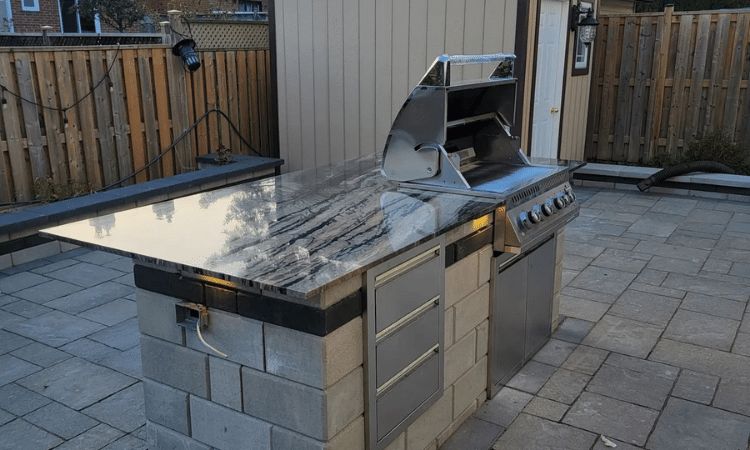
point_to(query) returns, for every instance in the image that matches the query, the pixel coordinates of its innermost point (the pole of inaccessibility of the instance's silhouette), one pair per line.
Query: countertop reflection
(293, 234)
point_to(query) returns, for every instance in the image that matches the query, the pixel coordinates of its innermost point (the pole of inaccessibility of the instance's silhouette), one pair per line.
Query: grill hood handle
(439, 74)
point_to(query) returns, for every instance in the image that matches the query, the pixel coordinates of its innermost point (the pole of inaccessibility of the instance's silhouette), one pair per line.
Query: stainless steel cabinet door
(539, 297)
(508, 321)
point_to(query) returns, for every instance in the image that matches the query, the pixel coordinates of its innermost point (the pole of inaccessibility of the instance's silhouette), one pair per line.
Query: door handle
(554, 110)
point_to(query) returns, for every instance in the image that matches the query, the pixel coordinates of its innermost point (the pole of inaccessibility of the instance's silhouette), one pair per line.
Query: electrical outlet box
(188, 314)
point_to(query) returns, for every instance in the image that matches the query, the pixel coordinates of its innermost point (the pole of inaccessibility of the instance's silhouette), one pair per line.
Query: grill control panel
(539, 216)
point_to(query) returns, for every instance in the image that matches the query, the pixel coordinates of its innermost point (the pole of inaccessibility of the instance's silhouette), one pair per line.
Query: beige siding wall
(346, 66)
(575, 109)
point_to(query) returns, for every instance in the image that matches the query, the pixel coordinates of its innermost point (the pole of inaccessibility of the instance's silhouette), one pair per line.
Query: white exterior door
(550, 70)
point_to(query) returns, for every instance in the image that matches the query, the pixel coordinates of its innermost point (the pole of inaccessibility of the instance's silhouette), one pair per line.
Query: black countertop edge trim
(467, 245)
(666, 184)
(253, 305)
(22, 243)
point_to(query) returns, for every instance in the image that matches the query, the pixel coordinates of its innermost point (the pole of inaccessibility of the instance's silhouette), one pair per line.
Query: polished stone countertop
(293, 234)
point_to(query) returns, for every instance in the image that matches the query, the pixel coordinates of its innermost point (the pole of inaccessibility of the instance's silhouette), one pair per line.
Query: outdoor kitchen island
(330, 302)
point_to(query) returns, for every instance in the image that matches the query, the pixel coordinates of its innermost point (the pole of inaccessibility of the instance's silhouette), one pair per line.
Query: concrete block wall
(277, 389)
(467, 303)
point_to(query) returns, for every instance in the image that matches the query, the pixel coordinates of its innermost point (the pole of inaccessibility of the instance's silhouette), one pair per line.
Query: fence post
(177, 75)
(661, 60)
(166, 32)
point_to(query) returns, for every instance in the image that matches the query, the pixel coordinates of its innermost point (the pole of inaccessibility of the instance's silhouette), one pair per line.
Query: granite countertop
(293, 234)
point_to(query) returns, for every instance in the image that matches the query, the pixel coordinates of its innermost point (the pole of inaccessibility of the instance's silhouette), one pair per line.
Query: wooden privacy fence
(661, 80)
(130, 103)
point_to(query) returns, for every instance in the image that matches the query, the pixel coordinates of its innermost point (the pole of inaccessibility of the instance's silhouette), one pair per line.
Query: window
(30, 5)
(582, 54)
(249, 6)
(73, 22)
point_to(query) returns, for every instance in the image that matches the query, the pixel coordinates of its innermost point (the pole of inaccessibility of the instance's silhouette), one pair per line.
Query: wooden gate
(661, 80)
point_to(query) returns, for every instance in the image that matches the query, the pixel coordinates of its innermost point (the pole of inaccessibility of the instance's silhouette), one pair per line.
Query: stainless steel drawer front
(398, 350)
(405, 332)
(407, 395)
(405, 291)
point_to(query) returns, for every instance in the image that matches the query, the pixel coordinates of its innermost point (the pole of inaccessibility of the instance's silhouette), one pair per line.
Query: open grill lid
(450, 135)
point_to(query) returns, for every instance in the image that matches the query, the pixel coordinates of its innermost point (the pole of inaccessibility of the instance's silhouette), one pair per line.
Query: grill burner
(457, 138)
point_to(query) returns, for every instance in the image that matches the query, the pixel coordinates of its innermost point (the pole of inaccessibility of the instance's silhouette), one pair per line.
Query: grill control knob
(523, 220)
(547, 208)
(534, 215)
(559, 202)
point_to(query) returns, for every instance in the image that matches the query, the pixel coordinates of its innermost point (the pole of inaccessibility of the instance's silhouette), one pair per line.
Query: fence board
(140, 106)
(664, 90)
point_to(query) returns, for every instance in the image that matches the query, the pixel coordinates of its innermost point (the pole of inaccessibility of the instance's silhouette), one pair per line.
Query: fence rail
(141, 104)
(662, 80)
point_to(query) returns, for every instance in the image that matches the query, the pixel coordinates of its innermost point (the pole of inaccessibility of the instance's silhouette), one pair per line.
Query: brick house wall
(32, 21)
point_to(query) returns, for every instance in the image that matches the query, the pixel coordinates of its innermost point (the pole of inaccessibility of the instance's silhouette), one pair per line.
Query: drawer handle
(407, 370)
(394, 272)
(407, 319)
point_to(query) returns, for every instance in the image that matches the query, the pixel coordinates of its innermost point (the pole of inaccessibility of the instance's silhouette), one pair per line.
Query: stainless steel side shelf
(405, 353)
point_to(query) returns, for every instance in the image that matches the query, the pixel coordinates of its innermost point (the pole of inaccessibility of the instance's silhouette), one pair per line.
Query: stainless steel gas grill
(457, 137)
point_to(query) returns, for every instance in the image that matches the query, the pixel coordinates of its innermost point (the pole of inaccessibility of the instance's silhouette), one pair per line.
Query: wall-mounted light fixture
(185, 49)
(583, 22)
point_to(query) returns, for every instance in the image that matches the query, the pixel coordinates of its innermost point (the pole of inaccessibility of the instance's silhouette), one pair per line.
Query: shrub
(713, 146)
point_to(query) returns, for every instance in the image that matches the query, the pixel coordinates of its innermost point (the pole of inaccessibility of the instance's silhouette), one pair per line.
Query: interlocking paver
(89, 350)
(111, 313)
(702, 329)
(123, 410)
(585, 359)
(19, 400)
(14, 368)
(40, 354)
(504, 407)
(11, 341)
(45, 292)
(581, 308)
(30, 436)
(90, 298)
(742, 344)
(7, 319)
(128, 442)
(599, 279)
(123, 336)
(610, 417)
(97, 437)
(707, 286)
(85, 274)
(685, 425)
(20, 281)
(701, 359)
(640, 388)
(573, 330)
(644, 307)
(554, 352)
(546, 409)
(534, 433)
(624, 336)
(76, 383)
(564, 386)
(474, 433)
(127, 362)
(675, 265)
(734, 395)
(55, 328)
(715, 306)
(697, 387)
(61, 420)
(26, 309)
(531, 377)
(5, 417)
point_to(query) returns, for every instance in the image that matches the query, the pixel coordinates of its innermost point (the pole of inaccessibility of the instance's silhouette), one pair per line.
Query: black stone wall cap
(666, 184)
(253, 305)
(22, 243)
(465, 246)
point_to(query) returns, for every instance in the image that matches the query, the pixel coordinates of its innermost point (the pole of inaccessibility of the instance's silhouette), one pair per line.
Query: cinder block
(461, 279)
(239, 337)
(316, 361)
(428, 426)
(449, 336)
(156, 316)
(460, 357)
(226, 383)
(472, 310)
(5, 261)
(483, 339)
(174, 365)
(306, 410)
(36, 252)
(162, 438)
(166, 406)
(469, 386)
(398, 444)
(224, 428)
(485, 262)
(350, 438)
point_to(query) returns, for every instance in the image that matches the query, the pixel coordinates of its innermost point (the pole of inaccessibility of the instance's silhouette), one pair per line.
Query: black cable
(179, 139)
(77, 102)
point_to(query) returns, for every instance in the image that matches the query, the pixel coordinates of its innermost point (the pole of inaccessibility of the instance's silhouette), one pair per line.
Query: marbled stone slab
(294, 234)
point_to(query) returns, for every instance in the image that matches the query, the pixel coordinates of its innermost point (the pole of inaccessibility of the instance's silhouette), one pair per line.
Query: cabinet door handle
(407, 370)
(405, 266)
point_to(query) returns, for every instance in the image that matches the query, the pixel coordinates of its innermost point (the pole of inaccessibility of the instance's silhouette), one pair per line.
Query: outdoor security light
(586, 26)
(186, 50)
